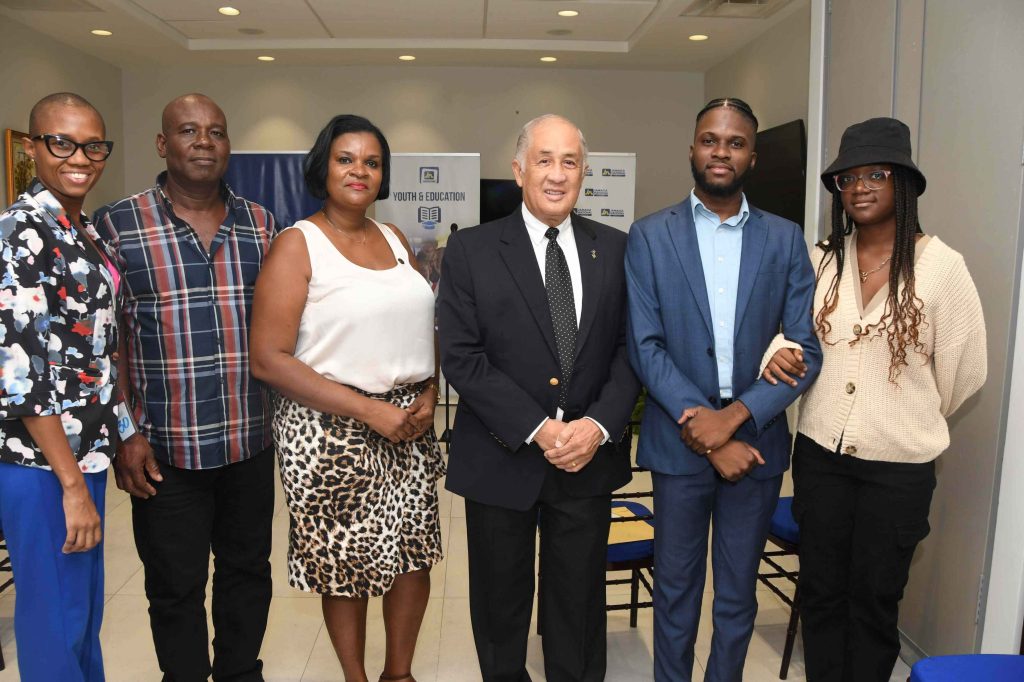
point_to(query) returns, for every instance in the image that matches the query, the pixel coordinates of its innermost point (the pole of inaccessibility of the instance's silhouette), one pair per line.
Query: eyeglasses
(63, 148)
(874, 180)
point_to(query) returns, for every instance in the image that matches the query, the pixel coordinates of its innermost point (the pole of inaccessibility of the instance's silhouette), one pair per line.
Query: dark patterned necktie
(563, 307)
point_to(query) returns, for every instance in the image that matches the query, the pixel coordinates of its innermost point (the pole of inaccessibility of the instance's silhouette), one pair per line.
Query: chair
(987, 667)
(784, 534)
(5, 566)
(631, 548)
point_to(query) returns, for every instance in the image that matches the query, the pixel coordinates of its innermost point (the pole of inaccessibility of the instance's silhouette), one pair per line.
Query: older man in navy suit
(711, 281)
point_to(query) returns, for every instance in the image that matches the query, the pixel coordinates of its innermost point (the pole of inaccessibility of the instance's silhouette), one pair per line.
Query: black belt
(726, 402)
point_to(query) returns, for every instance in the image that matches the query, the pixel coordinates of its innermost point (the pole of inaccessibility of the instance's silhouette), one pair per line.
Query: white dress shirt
(567, 242)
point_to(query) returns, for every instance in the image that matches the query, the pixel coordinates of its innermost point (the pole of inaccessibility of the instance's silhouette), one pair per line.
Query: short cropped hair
(733, 102)
(66, 99)
(525, 134)
(314, 166)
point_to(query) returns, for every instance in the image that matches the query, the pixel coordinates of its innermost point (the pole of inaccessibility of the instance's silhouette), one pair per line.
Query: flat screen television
(498, 198)
(777, 182)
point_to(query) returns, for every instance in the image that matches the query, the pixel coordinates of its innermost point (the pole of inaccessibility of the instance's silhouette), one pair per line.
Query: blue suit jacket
(671, 343)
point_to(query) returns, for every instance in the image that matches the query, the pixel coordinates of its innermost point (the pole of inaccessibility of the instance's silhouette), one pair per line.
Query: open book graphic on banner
(429, 216)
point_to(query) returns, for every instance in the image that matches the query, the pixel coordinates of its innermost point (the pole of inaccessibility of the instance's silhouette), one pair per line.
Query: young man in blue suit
(710, 282)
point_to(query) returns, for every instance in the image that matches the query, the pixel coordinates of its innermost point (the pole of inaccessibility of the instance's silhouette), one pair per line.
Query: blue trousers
(685, 507)
(59, 602)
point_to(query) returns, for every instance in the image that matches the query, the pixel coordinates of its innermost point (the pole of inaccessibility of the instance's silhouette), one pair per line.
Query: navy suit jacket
(671, 342)
(498, 351)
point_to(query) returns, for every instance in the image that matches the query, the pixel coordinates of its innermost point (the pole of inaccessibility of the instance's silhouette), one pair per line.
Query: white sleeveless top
(371, 329)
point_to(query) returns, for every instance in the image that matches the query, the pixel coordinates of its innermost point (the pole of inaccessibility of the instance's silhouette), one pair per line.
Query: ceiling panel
(535, 19)
(206, 10)
(458, 19)
(270, 29)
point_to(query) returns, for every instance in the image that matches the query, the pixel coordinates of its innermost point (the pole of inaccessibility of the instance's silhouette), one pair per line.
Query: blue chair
(987, 667)
(631, 548)
(784, 534)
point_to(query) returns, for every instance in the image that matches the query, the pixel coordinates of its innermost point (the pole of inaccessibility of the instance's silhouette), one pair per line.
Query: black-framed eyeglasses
(874, 180)
(63, 148)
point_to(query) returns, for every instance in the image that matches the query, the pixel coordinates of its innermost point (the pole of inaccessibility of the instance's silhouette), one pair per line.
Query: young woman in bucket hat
(903, 339)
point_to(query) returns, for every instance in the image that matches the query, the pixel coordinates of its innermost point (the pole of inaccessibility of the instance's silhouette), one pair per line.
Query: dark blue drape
(273, 179)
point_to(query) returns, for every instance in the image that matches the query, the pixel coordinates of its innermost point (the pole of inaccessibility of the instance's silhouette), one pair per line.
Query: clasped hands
(710, 433)
(569, 446)
(400, 424)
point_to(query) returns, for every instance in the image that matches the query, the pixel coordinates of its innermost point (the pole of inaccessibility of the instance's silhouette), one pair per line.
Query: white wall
(435, 109)
(32, 67)
(770, 73)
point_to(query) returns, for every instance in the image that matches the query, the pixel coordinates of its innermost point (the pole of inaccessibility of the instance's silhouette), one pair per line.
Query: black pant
(573, 553)
(230, 510)
(859, 522)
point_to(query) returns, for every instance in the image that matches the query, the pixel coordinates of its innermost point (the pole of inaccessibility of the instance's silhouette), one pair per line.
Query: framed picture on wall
(19, 167)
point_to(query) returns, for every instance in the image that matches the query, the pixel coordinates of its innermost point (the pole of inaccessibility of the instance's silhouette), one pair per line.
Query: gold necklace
(338, 229)
(864, 275)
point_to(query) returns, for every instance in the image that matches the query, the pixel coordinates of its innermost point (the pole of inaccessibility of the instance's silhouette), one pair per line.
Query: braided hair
(739, 105)
(902, 313)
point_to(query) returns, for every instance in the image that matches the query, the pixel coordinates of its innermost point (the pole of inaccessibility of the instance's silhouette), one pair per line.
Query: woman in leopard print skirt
(343, 329)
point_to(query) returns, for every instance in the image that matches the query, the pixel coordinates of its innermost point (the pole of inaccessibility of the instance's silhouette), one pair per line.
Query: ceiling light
(568, 13)
(407, 58)
(229, 11)
(101, 32)
(697, 37)
(549, 59)
(265, 58)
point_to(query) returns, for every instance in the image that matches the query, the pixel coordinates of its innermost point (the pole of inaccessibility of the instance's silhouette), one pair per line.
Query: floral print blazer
(58, 331)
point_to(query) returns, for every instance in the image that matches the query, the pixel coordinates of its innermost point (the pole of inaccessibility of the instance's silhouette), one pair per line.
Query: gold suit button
(553, 381)
(850, 388)
(857, 329)
(850, 450)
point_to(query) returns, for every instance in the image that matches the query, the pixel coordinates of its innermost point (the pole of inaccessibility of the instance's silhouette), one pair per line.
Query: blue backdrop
(274, 180)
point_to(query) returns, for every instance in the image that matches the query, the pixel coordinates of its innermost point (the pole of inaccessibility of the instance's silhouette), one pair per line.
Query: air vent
(50, 5)
(734, 9)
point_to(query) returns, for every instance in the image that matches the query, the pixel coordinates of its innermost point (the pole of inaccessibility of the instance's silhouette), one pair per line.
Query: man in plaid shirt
(200, 468)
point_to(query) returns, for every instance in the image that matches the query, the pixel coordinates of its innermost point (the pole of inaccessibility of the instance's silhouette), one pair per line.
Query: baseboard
(910, 652)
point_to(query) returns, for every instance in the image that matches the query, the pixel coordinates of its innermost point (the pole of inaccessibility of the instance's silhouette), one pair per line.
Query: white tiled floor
(297, 646)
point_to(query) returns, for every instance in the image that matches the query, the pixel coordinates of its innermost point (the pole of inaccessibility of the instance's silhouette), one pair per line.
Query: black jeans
(228, 510)
(859, 522)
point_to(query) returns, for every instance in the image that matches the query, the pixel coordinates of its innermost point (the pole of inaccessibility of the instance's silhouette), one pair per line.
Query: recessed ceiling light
(697, 37)
(101, 32)
(549, 59)
(265, 58)
(407, 58)
(568, 13)
(229, 11)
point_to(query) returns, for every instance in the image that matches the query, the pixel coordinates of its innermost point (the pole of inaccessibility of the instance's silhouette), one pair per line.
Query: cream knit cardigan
(854, 400)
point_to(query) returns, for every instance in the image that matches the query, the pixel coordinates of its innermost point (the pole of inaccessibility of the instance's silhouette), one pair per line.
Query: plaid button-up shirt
(186, 313)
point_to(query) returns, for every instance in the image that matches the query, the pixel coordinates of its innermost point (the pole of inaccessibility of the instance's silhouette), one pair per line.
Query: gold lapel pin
(593, 254)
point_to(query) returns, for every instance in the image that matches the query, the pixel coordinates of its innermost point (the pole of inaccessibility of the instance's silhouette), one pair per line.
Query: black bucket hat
(876, 140)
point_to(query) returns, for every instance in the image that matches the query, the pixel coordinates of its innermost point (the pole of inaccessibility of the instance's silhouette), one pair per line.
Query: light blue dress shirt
(721, 244)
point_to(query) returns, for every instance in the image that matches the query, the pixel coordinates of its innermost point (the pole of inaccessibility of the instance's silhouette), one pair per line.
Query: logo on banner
(431, 174)
(613, 172)
(594, 192)
(589, 172)
(613, 213)
(429, 216)
(585, 212)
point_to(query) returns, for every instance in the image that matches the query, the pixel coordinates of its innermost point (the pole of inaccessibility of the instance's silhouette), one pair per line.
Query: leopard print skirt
(362, 509)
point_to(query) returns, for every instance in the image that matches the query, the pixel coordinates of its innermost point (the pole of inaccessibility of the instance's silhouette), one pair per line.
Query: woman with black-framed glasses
(903, 342)
(58, 322)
